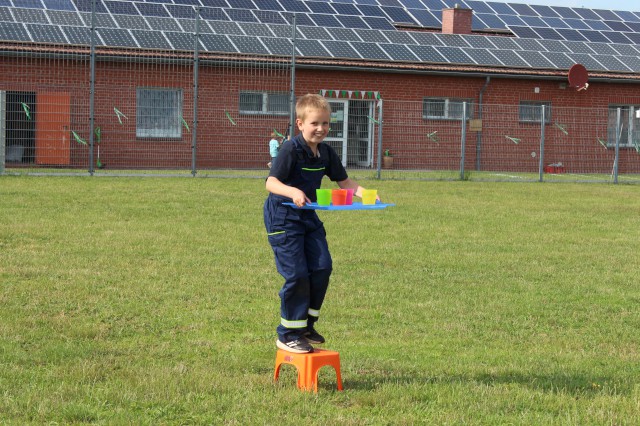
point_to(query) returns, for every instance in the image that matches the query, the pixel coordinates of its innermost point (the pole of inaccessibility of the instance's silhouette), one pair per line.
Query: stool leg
(302, 380)
(276, 374)
(338, 377)
(312, 376)
(312, 379)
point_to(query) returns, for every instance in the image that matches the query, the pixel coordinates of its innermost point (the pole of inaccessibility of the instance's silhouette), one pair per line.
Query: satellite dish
(578, 77)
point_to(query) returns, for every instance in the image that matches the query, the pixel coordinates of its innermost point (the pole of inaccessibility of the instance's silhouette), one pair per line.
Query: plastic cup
(349, 200)
(339, 197)
(369, 196)
(323, 196)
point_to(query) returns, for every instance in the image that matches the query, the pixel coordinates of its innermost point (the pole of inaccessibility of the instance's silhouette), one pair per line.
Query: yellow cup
(369, 196)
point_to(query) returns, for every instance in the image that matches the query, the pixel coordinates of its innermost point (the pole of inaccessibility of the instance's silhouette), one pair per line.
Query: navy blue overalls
(299, 243)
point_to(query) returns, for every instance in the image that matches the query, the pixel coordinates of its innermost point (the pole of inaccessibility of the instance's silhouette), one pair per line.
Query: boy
(297, 236)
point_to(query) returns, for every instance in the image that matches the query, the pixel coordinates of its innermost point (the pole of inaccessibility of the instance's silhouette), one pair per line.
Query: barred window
(531, 112)
(445, 108)
(629, 125)
(158, 113)
(264, 103)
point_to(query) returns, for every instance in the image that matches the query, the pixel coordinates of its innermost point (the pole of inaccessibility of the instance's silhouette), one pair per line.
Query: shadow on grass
(575, 384)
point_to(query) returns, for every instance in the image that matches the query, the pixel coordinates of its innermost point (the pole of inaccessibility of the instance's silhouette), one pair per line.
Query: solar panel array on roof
(547, 37)
(373, 14)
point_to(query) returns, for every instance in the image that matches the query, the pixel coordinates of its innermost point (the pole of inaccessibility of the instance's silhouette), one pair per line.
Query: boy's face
(315, 126)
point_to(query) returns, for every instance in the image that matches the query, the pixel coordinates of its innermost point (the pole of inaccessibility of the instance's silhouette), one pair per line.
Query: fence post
(463, 139)
(92, 88)
(379, 138)
(543, 118)
(3, 130)
(617, 156)
(196, 67)
(292, 96)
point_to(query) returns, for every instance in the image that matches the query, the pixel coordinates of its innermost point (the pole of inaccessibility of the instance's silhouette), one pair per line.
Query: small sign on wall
(475, 125)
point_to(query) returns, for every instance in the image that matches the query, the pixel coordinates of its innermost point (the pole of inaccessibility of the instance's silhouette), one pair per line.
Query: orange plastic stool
(308, 366)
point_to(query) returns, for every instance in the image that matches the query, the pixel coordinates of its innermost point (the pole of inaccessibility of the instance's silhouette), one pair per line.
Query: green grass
(154, 301)
(359, 173)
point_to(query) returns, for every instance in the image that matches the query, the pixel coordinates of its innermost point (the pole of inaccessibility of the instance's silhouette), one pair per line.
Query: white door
(361, 130)
(352, 131)
(338, 128)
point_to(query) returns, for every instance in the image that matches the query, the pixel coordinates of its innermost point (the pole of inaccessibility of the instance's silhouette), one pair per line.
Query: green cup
(324, 197)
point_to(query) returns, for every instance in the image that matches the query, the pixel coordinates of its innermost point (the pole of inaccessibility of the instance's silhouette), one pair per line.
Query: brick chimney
(456, 20)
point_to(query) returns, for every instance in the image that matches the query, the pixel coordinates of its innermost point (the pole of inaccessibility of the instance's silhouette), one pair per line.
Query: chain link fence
(512, 142)
(87, 108)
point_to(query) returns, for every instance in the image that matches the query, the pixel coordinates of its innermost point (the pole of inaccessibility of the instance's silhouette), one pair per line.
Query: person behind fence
(274, 147)
(297, 236)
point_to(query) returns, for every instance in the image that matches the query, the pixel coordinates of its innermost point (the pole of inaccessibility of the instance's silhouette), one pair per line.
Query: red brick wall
(500, 91)
(245, 144)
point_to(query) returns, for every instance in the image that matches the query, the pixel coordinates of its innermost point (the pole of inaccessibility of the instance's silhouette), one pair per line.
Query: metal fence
(513, 142)
(91, 109)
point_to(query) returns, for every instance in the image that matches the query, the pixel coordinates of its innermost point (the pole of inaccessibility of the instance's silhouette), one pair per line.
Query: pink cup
(339, 197)
(349, 200)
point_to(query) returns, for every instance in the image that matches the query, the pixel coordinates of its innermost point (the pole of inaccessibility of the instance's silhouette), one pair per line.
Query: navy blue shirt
(295, 165)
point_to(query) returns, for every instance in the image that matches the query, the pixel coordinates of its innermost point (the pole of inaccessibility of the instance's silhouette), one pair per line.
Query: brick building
(423, 59)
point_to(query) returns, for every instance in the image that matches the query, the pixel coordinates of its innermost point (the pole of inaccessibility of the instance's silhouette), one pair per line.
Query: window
(159, 113)
(445, 108)
(629, 125)
(531, 112)
(264, 103)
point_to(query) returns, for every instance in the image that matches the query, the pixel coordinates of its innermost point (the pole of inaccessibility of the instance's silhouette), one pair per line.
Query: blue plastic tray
(354, 206)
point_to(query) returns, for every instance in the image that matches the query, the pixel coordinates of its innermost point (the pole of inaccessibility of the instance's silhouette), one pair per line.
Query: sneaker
(298, 346)
(314, 337)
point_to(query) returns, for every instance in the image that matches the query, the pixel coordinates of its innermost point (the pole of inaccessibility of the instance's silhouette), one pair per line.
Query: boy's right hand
(299, 198)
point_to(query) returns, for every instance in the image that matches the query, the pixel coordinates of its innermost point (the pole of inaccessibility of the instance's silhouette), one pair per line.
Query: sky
(632, 5)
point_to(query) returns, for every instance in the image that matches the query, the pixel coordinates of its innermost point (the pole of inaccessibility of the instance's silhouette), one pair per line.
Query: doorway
(351, 132)
(20, 127)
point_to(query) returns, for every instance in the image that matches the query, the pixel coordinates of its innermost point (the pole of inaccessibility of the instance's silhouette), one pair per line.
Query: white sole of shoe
(284, 347)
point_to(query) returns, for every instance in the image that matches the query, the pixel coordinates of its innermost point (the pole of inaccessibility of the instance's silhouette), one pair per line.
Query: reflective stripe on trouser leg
(293, 324)
(314, 314)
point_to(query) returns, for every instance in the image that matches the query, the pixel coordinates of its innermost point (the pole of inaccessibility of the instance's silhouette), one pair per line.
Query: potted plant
(387, 159)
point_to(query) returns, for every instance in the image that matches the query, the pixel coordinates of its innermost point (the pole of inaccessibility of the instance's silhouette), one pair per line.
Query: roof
(402, 34)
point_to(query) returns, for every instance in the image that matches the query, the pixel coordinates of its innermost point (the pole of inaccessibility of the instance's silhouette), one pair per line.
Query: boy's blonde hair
(311, 101)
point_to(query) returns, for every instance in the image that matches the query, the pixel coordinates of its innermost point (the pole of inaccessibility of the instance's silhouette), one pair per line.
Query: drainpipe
(479, 134)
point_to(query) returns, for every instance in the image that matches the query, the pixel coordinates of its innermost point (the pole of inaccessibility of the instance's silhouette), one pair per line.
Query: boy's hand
(299, 198)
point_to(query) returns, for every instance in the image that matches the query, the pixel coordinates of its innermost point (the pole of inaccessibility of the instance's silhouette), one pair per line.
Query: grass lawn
(128, 300)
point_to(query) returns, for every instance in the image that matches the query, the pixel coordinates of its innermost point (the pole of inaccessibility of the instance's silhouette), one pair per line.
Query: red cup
(349, 200)
(339, 197)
